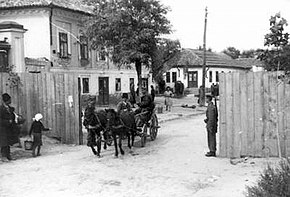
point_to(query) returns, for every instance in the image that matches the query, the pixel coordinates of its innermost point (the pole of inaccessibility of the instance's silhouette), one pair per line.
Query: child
(36, 129)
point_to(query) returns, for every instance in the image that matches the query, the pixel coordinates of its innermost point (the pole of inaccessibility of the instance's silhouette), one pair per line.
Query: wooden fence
(54, 95)
(254, 118)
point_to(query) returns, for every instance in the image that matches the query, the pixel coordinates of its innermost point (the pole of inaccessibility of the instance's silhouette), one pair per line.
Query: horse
(96, 122)
(121, 125)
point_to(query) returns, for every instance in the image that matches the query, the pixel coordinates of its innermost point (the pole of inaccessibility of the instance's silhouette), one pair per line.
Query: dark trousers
(5, 151)
(211, 140)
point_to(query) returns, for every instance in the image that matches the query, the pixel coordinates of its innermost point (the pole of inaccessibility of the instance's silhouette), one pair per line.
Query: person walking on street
(152, 93)
(132, 94)
(36, 130)
(6, 126)
(211, 126)
(168, 102)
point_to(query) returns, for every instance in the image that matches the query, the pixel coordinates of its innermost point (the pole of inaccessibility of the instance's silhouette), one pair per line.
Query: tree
(276, 56)
(248, 53)
(129, 29)
(165, 51)
(232, 52)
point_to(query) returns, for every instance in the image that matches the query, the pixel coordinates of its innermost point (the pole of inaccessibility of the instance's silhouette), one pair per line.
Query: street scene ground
(173, 165)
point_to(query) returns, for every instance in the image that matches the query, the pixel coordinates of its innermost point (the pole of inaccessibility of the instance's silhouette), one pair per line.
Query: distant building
(54, 33)
(186, 67)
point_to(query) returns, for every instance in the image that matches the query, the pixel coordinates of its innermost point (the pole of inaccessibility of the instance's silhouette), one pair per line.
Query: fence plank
(222, 116)
(236, 116)
(258, 113)
(286, 119)
(244, 114)
(266, 115)
(229, 115)
(250, 117)
(280, 113)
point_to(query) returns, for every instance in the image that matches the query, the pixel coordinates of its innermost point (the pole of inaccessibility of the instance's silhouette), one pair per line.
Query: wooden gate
(254, 118)
(55, 95)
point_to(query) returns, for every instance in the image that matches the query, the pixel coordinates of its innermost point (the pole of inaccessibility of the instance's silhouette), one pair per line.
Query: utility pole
(204, 61)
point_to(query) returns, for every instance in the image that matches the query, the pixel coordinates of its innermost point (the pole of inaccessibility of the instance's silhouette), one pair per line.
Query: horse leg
(115, 144)
(128, 136)
(133, 136)
(120, 145)
(99, 144)
(93, 149)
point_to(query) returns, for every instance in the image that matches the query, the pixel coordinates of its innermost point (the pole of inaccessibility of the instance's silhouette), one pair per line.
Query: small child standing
(36, 130)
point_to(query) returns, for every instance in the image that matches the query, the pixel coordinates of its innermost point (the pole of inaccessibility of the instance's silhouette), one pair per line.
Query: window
(210, 76)
(84, 52)
(217, 76)
(118, 84)
(101, 54)
(63, 45)
(174, 77)
(3, 60)
(167, 77)
(85, 85)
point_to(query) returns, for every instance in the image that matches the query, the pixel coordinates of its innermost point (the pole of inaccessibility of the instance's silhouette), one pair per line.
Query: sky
(230, 23)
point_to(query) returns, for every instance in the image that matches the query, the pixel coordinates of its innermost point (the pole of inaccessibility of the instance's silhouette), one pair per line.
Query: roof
(194, 58)
(74, 5)
(251, 61)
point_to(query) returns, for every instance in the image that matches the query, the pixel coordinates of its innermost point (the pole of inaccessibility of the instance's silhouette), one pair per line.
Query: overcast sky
(238, 23)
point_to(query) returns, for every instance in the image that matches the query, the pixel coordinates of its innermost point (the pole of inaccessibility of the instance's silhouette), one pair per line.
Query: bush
(273, 182)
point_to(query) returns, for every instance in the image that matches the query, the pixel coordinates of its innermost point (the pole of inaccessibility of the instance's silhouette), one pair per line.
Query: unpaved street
(172, 165)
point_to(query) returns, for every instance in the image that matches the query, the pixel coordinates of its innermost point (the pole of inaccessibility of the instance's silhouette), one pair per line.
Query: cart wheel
(143, 135)
(153, 127)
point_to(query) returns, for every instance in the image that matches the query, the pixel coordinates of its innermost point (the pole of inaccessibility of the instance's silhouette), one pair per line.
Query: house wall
(36, 21)
(183, 76)
(42, 40)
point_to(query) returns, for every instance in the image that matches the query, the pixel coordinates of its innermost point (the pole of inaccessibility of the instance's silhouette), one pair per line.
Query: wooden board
(222, 116)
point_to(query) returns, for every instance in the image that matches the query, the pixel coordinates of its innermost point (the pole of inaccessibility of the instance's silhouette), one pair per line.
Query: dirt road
(172, 165)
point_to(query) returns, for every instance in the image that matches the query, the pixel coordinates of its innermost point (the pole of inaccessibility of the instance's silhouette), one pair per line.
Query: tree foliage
(165, 50)
(276, 56)
(129, 29)
(232, 52)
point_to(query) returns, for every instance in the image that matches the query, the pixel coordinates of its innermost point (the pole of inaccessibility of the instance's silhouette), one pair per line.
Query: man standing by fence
(211, 126)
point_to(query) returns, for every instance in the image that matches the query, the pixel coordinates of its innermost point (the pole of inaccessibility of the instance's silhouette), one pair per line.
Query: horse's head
(112, 118)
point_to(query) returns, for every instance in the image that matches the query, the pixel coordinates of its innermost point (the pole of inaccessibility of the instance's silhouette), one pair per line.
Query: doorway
(103, 91)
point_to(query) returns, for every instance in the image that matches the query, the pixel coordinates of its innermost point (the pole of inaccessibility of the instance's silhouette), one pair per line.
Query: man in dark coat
(211, 126)
(124, 105)
(146, 105)
(6, 126)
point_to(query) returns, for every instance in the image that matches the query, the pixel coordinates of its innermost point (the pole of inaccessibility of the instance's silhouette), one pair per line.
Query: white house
(54, 31)
(187, 68)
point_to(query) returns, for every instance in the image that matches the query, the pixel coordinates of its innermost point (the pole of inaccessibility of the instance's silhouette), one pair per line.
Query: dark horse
(95, 123)
(121, 125)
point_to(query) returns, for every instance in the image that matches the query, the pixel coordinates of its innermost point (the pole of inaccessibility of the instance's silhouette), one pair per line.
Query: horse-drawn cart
(147, 128)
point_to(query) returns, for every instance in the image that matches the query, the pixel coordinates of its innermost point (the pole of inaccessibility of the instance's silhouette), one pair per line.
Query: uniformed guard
(211, 126)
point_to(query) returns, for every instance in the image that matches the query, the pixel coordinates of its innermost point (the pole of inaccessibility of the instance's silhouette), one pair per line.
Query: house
(53, 31)
(187, 65)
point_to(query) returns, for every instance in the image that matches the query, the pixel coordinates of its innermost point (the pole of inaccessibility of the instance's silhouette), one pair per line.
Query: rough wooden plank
(250, 111)
(79, 133)
(286, 120)
(258, 113)
(236, 116)
(222, 116)
(229, 114)
(280, 113)
(67, 117)
(244, 114)
(266, 115)
(272, 145)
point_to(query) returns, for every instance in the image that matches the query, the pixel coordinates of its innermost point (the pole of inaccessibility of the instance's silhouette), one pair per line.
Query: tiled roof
(194, 58)
(251, 61)
(75, 5)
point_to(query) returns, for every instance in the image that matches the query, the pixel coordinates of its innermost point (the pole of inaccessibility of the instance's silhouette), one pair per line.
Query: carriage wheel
(143, 135)
(153, 127)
